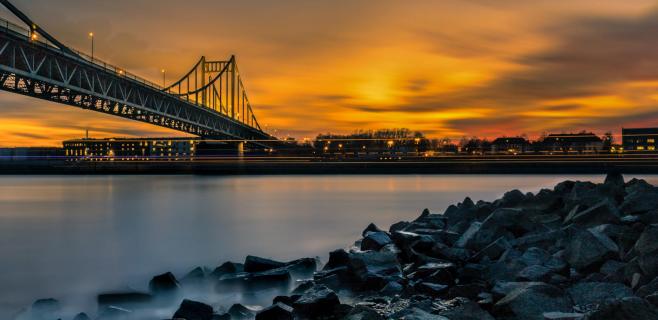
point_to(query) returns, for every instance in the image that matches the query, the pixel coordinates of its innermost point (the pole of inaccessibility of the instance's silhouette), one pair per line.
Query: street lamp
(91, 35)
(164, 77)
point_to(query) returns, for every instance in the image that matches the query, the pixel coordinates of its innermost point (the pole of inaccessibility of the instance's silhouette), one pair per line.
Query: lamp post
(164, 77)
(91, 35)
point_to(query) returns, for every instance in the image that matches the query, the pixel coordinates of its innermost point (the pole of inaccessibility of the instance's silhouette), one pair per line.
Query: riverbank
(577, 251)
(278, 166)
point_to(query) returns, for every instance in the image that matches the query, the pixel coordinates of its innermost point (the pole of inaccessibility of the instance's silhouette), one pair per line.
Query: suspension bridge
(209, 101)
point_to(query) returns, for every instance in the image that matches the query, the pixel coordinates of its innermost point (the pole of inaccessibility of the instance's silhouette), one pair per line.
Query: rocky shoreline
(577, 251)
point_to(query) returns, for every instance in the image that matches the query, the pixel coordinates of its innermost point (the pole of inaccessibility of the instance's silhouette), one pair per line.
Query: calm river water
(69, 237)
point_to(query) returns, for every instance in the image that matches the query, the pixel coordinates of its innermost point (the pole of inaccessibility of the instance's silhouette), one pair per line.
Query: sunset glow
(447, 68)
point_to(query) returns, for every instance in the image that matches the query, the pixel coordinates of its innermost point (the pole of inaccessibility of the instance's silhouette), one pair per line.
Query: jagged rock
(363, 313)
(503, 288)
(240, 312)
(535, 256)
(195, 277)
(648, 288)
(601, 213)
(463, 309)
(631, 308)
(278, 311)
(373, 270)
(375, 241)
(563, 316)
(194, 310)
(372, 228)
(587, 293)
(611, 267)
(494, 250)
(164, 283)
(258, 264)
(391, 288)
(302, 268)
(126, 300)
(316, 302)
(648, 241)
(531, 301)
(639, 201)
(589, 249)
(81, 316)
(287, 300)
(431, 289)
(274, 278)
(534, 273)
(512, 198)
(227, 268)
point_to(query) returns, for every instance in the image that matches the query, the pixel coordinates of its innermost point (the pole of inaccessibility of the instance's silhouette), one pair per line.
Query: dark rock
(360, 312)
(278, 311)
(46, 307)
(370, 228)
(535, 273)
(258, 264)
(227, 268)
(391, 288)
(614, 179)
(194, 310)
(164, 283)
(195, 277)
(563, 316)
(653, 299)
(302, 287)
(503, 288)
(469, 290)
(463, 309)
(431, 289)
(275, 278)
(302, 268)
(631, 308)
(589, 249)
(494, 250)
(512, 198)
(375, 241)
(81, 316)
(420, 314)
(239, 312)
(316, 302)
(648, 241)
(287, 300)
(126, 300)
(601, 213)
(588, 293)
(337, 258)
(640, 201)
(531, 301)
(535, 256)
(611, 267)
(648, 288)
(373, 270)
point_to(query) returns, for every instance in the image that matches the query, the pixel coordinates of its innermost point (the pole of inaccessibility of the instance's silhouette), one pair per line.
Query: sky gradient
(447, 68)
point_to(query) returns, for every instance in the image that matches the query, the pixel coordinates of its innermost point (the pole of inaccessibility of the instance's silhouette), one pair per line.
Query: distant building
(510, 145)
(584, 142)
(639, 139)
(131, 149)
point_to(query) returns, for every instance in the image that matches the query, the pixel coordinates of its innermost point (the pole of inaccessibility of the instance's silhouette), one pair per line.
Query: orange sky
(447, 68)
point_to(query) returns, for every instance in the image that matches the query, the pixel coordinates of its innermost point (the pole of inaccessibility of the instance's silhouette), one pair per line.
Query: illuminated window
(651, 140)
(640, 147)
(652, 148)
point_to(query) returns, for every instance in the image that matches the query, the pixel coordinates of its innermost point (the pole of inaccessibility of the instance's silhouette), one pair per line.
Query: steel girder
(38, 70)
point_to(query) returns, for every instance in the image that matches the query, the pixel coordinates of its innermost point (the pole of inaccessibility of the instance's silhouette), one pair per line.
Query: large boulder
(640, 200)
(531, 301)
(277, 311)
(194, 310)
(375, 241)
(164, 283)
(589, 249)
(631, 308)
(316, 302)
(258, 264)
(648, 241)
(373, 270)
(240, 312)
(601, 213)
(227, 268)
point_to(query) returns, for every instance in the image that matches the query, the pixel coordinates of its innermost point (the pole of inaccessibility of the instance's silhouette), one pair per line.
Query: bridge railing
(9, 26)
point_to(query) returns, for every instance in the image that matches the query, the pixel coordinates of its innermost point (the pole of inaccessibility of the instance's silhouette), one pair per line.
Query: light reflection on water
(71, 237)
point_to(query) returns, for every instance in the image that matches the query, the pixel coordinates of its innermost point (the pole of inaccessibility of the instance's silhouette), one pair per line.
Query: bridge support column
(240, 149)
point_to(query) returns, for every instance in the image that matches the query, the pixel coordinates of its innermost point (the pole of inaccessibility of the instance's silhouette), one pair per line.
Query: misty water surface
(72, 237)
